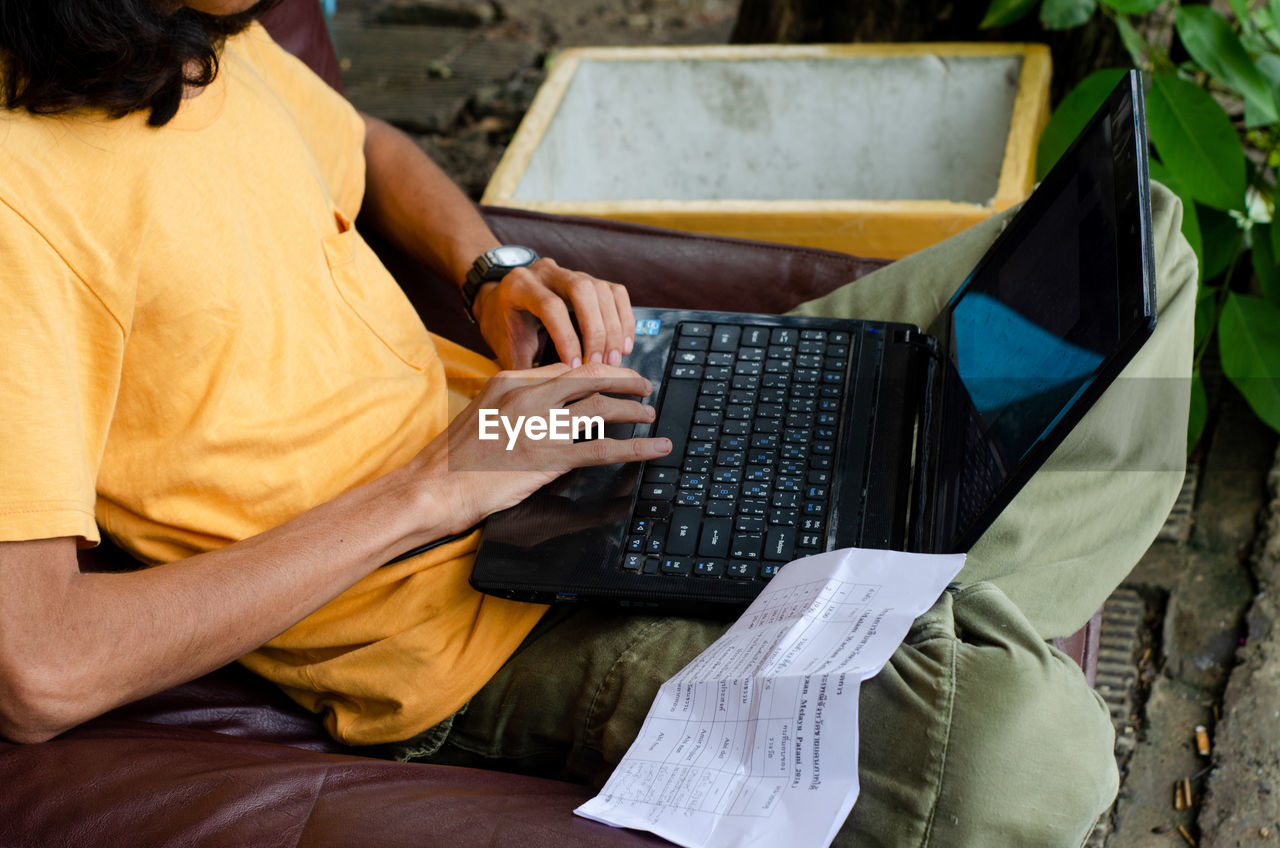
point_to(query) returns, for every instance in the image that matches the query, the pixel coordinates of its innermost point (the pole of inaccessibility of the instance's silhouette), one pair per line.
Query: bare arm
(413, 202)
(74, 645)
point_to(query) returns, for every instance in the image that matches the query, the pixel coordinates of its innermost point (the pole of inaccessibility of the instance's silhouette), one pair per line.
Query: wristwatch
(493, 265)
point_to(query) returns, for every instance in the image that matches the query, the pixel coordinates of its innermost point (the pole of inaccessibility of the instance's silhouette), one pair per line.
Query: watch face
(512, 255)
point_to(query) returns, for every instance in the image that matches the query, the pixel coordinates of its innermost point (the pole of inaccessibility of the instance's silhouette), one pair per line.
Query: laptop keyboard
(752, 413)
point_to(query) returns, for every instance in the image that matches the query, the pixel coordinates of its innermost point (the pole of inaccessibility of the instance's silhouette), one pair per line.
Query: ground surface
(1193, 637)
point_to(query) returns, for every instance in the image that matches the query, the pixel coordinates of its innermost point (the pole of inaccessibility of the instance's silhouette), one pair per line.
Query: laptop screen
(1030, 330)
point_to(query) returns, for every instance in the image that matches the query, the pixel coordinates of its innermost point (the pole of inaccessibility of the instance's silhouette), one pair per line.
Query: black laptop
(793, 435)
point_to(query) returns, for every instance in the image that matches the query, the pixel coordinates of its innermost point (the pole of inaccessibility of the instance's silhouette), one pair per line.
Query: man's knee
(978, 733)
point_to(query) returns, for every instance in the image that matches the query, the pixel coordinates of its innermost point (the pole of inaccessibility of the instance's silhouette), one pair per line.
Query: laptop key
(736, 428)
(635, 544)
(673, 422)
(809, 540)
(742, 570)
(696, 465)
(784, 517)
(755, 336)
(683, 534)
(658, 491)
(779, 544)
(784, 336)
(729, 476)
(769, 570)
(708, 568)
(704, 434)
(749, 524)
(725, 337)
(746, 546)
(690, 328)
(676, 565)
(651, 565)
(692, 343)
(660, 475)
(633, 562)
(719, 359)
(653, 509)
(690, 357)
(686, 497)
(752, 506)
(714, 541)
(719, 509)
(654, 545)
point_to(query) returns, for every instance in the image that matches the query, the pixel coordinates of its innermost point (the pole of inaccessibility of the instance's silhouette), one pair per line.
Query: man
(203, 357)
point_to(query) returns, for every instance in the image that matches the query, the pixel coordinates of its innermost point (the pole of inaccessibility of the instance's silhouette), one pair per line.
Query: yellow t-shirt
(199, 346)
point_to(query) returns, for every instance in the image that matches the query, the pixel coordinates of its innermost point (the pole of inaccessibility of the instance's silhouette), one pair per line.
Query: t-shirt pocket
(375, 297)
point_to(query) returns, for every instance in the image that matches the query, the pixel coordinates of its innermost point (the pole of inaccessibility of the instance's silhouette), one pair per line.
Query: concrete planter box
(872, 149)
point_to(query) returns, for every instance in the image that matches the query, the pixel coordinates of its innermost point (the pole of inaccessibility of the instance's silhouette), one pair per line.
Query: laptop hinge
(903, 382)
(921, 533)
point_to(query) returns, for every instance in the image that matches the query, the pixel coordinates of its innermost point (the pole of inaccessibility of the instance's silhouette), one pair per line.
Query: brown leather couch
(228, 760)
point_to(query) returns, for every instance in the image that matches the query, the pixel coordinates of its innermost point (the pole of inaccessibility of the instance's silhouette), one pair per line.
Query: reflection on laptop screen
(1031, 327)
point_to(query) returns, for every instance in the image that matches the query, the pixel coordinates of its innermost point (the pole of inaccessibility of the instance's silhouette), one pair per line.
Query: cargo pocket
(375, 297)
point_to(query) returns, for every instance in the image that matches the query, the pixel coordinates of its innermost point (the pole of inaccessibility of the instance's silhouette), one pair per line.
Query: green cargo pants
(977, 732)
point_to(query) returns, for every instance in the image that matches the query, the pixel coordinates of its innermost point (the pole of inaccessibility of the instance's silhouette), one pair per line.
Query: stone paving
(1193, 636)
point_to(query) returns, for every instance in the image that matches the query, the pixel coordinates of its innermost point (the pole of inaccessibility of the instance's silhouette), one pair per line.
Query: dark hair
(120, 56)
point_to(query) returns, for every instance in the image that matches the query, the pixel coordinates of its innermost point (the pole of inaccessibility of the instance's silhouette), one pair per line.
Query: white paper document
(755, 742)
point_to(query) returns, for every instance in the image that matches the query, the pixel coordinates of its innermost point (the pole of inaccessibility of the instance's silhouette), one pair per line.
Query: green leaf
(1249, 345)
(1199, 412)
(1065, 14)
(1221, 236)
(1196, 141)
(1273, 6)
(1206, 297)
(1132, 7)
(1275, 239)
(1264, 263)
(1133, 43)
(1190, 221)
(1241, 10)
(1072, 114)
(1269, 67)
(1216, 48)
(1003, 12)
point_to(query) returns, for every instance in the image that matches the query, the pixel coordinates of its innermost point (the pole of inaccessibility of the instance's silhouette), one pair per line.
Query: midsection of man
(260, 361)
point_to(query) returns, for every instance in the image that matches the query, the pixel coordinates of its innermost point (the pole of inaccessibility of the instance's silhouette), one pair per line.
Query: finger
(612, 325)
(627, 318)
(594, 378)
(611, 451)
(522, 338)
(508, 380)
(554, 315)
(580, 290)
(613, 409)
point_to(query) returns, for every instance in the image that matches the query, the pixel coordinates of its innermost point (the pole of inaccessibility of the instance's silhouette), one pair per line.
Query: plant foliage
(1214, 125)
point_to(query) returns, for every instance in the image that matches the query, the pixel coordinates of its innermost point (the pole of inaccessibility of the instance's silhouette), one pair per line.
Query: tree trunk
(1076, 52)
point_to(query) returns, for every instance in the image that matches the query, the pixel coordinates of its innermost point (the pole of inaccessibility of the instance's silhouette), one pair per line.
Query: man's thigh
(1083, 521)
